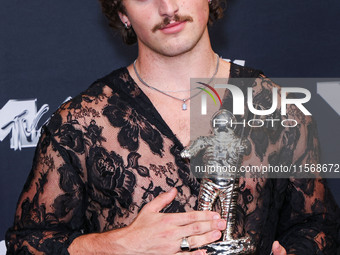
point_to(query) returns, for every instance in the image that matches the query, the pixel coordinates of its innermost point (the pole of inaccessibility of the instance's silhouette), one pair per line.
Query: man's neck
(156, 68)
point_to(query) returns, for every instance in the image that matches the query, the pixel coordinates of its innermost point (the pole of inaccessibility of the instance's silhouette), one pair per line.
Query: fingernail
(217, 234)
(216, 216)
(221, 224)
(172, 190)
(198, 253)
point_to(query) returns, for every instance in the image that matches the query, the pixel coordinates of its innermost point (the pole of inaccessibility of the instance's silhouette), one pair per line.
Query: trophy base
(230, 247)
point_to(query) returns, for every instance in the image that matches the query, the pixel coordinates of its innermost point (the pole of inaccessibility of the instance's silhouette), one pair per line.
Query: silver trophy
(222, 153)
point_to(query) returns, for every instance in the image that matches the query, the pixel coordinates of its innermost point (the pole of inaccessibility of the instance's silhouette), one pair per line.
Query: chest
(177, 119)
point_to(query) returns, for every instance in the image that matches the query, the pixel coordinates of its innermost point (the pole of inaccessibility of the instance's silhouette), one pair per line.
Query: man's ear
(124, 18)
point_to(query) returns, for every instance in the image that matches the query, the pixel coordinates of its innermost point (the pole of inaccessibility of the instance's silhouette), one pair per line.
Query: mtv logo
(20, 118)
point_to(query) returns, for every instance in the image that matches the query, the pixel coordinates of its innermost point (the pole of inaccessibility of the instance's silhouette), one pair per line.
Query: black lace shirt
(107, 152)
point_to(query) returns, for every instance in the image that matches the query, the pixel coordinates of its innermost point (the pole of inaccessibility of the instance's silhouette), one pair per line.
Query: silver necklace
(164, 92)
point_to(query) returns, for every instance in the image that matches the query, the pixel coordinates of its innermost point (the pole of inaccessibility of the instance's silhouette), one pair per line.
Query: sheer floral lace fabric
(107, 152)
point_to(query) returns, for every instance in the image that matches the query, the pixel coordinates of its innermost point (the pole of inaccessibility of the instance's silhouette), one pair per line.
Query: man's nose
(168, 7)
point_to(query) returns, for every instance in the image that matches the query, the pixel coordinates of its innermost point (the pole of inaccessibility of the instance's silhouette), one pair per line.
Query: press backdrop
(50, 50)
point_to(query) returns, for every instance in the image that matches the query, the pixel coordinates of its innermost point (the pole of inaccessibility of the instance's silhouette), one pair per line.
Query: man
(108, 177)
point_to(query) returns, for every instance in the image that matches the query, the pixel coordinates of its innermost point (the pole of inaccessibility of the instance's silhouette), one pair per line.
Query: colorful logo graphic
(209, 93)
(239, 100)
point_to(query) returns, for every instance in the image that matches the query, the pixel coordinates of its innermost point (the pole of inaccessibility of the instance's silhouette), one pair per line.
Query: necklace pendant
(184, 106)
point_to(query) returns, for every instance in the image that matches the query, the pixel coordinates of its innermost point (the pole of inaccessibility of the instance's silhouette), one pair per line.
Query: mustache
(166, 21)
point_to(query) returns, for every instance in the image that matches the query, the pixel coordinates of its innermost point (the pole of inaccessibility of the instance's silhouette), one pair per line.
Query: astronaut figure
(221, 150)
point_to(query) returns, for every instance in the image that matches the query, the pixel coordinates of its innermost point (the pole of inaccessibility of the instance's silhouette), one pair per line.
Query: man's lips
(173, 27)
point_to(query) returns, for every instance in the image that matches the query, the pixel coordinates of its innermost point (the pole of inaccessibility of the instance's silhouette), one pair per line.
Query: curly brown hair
(112, 7)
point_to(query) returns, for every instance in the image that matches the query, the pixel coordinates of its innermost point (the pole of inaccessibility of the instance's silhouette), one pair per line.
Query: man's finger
(278, 249)
(200, 240)
(201, 227)
(186, 218)
(161, 201)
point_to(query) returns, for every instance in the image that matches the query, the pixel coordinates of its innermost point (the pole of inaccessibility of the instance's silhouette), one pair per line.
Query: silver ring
(185, 246)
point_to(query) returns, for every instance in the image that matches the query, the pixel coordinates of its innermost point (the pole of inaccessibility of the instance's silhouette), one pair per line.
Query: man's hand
(277, 249)
(153, 232)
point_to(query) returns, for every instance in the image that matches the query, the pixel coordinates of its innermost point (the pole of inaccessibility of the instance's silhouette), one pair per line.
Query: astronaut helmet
(223, 120)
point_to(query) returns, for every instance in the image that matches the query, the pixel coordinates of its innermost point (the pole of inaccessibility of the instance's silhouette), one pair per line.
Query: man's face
(168, 27)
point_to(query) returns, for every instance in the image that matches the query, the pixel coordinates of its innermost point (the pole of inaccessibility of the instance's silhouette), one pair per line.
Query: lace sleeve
(50, 210)
(308, 220)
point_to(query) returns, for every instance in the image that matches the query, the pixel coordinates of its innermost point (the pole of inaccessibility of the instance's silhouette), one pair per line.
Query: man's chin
(176, 50)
